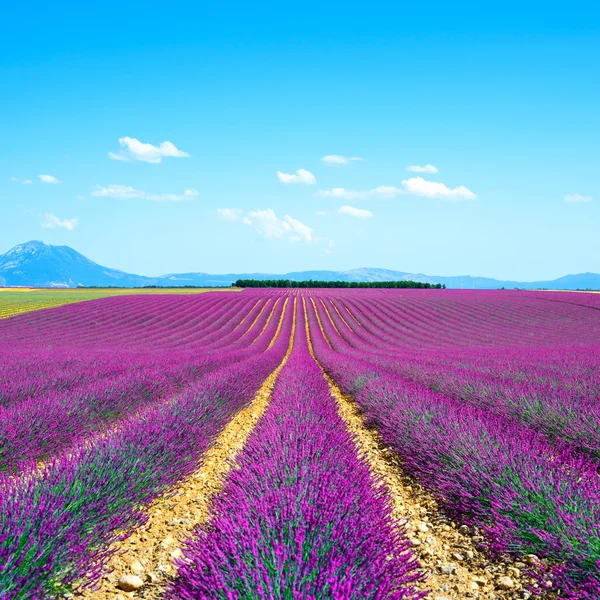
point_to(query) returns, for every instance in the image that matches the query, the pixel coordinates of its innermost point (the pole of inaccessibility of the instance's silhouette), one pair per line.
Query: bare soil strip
(450, 555)
(341, 316)
(247, 315)
(150, 551)
(273, 308)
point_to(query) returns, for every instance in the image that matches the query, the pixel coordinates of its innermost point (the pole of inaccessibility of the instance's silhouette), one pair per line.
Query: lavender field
(302, 444)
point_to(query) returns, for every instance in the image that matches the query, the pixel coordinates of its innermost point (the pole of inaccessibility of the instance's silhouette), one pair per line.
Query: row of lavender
(302, 516)
(553, 388)
(509, 443)
(52, 405)
(57, 524)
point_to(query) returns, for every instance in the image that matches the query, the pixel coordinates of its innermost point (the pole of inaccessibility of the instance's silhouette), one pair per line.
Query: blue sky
(502, 101)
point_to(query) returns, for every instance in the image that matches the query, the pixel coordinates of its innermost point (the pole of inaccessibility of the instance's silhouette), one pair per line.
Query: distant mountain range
(36, 264)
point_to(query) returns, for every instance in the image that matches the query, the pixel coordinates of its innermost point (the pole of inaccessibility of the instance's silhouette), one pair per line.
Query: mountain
(35, 264)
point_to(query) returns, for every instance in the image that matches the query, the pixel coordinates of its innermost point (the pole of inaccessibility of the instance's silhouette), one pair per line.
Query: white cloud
(321, 213)
(424, 169)
(48, 179)
(134, 150)
(301, 176)
(230, 214)
(26, 182)
(300, 231)
(14, 180)
(359, 213)
(418, 186)
(120, 157)
(415, 186)
(50, 221)
(336, 159)
(382, 191)
(577, 198)
(126, 192)
(269, 225)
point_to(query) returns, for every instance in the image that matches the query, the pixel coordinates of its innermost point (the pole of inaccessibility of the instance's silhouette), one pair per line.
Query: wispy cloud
(418, 186)
(424, 169)
(23, 181)
(415, 186)
(359, 213)
(126, 192)
(269, 225)
(134, 150)
(302, 176)
(381, 191)
(575, 198)
(48, 179)
(337, 159)
(50, 221)
(230, 214)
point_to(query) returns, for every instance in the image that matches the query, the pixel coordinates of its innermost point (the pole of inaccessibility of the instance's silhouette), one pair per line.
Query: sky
(444, 138)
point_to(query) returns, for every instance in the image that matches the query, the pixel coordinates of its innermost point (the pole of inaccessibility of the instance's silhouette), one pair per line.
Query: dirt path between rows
(450, 555)
(150, 551)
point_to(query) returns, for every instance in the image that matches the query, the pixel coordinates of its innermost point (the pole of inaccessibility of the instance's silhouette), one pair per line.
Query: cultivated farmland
(306, 443)
(15, 301)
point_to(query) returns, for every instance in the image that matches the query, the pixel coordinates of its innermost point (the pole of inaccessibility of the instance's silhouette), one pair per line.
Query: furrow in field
(151, 550)
(302, 517)
(273, 309)
(448, 554)
(249, 313)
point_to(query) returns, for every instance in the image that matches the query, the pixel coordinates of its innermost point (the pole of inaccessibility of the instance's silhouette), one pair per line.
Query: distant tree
(288, 283)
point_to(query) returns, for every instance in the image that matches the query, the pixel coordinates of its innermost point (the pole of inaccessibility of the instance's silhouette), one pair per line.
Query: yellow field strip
(15, 301)
(149, 552)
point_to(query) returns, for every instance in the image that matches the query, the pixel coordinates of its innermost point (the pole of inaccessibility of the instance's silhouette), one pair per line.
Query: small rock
(481, 581)
(457, 556)
(532, 559)
(505, 583)
(130, 583)
(422, 527)
(153, 577)
(463, 529)
(176, 554)
(449, 569)
(525, 594)
(415, 542)
(441, 598)
(168, 541)
(469, 554)
(136, 566)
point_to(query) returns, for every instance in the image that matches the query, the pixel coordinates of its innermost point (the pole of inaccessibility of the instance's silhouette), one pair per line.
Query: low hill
(37, 264)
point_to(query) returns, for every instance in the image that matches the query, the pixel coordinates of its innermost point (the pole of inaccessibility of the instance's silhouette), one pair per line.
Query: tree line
(288, 283)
